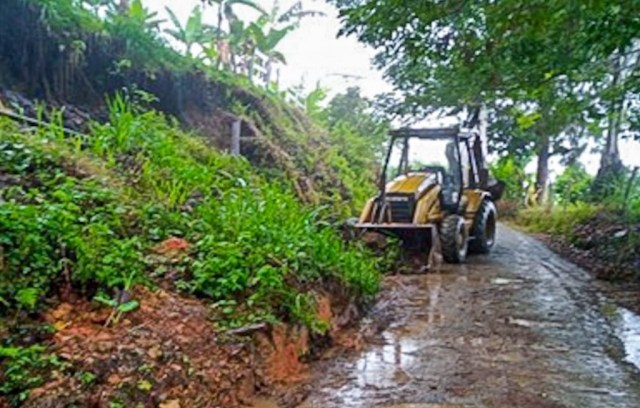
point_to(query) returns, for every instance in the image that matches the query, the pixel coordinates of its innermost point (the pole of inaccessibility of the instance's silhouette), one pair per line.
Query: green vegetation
(194, 32)
(136, 39)
(336, 171)
(573, 185)
(557, 221)
(357, 131)
(252, 245)
(513, 175)
(254, 248)
(25, 368)
(606, 228)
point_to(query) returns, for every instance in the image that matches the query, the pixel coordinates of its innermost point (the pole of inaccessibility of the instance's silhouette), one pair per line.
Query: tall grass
(557, 220)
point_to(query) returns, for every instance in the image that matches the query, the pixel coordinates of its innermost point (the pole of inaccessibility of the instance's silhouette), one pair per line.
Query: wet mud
(519, 328)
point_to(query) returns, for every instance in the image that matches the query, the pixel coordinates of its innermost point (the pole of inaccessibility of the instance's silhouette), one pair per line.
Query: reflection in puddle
(382, 366)
(628, 330)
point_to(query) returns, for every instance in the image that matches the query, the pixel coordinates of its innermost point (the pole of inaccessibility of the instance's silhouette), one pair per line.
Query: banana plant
(194, 32)
(225, 11)
(270, 29)
(135, 12)
(268, 38)
(266, 41)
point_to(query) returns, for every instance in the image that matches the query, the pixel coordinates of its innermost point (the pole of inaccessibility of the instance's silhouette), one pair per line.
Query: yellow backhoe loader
(440, 198)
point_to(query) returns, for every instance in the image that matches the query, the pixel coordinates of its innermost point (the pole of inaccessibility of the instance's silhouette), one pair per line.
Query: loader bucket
(418, 238)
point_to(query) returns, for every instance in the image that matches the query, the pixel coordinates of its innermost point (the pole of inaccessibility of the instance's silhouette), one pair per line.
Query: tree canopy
(550, 71)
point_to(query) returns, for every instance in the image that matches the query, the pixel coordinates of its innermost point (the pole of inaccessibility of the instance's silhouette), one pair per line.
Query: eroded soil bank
(520, 328)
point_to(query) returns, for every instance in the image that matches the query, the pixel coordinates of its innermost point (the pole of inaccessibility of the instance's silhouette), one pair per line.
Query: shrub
(24, 368)
(624, 195)
(507, 170)
(52, 223)
(572, 185)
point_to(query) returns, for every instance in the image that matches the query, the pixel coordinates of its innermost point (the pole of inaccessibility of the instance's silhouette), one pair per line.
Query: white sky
(315, 55)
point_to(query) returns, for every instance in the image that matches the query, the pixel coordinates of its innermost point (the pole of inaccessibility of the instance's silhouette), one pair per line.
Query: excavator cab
(434, 194)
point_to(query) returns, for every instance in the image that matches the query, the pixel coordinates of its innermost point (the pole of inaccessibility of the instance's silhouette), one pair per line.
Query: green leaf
(527, 121)
(28, 297)
(101, 298)
(10, 352)
(145, 385)
(178, 31)
(129, 306)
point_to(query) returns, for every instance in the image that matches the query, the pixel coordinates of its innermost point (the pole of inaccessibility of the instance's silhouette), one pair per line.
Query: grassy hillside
(141, 203)
(64, 53)
(87, 213)
(146, 215)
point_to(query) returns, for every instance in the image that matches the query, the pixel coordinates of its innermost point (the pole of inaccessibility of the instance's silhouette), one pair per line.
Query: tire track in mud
(519, 328)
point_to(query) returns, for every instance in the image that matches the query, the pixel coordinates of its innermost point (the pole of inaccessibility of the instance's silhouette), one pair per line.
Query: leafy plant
(27, 297)
(573, 185)
(194, 32)
(507, 170)
(559, 221)
(119, 306)
(56, 227)
(23, 368)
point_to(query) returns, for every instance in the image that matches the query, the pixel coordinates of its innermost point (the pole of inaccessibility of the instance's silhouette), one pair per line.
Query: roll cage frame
(468, 138)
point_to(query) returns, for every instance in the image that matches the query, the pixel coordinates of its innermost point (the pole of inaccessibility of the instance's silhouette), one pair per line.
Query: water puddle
(627, 328)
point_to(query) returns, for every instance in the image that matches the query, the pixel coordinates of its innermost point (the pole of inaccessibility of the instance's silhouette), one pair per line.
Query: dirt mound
(168, 353)
(164, 354)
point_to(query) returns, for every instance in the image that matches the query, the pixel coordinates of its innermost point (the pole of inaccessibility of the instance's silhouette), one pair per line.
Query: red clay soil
(165, 354)
(168, 354)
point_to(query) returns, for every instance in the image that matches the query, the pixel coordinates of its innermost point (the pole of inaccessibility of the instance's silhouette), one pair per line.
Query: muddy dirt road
(520, 328)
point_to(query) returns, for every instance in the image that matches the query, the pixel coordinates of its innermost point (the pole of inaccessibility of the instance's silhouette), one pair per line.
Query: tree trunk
(219, 35)
(610, 164)
(542, 173)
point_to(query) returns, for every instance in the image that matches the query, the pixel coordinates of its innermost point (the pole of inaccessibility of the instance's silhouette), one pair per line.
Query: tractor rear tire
(454, 239)
(484, 229)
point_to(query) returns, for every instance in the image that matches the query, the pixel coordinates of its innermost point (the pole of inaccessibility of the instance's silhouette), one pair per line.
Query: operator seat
(451, 183)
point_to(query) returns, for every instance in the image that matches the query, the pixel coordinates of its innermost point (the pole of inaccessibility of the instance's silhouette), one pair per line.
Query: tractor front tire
(454, 239)
(484, 229)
